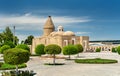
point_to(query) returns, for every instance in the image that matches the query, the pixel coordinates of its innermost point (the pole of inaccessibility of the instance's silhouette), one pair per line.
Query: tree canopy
(7, 36)
(53, 49)
(16, 56)
(39, 49)
(28, 41)
(79, 48)
(70, 50)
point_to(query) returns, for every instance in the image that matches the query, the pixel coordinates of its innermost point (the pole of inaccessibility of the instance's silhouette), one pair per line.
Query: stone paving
(73, 69)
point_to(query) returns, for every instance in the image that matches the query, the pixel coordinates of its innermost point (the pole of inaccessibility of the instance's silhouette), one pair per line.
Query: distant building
(104, 45)
(59, 37)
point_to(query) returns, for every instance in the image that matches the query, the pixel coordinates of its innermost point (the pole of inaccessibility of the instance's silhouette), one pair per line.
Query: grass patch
(54, 64)
(96, 61)
(5, 66)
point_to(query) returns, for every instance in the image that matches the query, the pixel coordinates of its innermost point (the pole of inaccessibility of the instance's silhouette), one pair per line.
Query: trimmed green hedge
(5, 66)
(96, 61)
(23, 46)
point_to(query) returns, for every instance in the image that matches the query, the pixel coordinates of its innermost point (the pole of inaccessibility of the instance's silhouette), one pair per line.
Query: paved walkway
(73, 69)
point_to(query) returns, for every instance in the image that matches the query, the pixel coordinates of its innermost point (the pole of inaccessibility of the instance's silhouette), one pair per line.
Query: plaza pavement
(73, 69)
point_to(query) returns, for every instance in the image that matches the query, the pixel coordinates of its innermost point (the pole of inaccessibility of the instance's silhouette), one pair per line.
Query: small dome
(69, 33)
(60, 28)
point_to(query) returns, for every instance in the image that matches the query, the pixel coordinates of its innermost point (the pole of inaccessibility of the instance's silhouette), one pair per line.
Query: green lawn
(5, 66)
(96, 61)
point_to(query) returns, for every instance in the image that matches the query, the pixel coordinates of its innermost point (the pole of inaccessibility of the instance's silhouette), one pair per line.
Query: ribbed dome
(52, 34)
(49, 24)
(59, 33)
(69, 33)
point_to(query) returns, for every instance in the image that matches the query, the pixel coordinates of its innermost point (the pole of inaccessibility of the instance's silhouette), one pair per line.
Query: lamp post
(85, 45)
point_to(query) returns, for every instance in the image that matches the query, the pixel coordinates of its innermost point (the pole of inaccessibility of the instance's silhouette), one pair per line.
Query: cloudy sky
(98, 19)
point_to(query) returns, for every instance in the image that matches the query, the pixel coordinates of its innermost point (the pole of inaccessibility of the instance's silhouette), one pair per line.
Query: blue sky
(98, 19)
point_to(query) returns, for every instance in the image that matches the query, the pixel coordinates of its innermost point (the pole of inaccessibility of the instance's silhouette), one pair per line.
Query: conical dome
(49, 23)
(48, 27)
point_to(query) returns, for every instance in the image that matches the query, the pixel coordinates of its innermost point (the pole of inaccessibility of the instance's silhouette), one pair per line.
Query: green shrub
(96, 61)
(70, 50)
(79, 48)
(114, 50)
(16, 56)
(98, 50)
(39, 50)
(23, 46)
(4, 48)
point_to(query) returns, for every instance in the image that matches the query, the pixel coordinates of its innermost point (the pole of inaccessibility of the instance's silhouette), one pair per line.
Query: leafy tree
(7, 36)
(16, 56)
(98, 50)
(23, 46)
(29, 40)
(70, 50)
(9, 43)
(40, 49)
(79, 48)
(114, 50)
(53, 49)
(4, 48)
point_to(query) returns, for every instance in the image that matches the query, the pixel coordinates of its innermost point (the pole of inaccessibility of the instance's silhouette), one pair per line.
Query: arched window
(65, 42)
(73, 41)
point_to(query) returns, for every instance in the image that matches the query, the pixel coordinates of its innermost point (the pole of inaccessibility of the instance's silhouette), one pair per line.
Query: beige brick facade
(59, 37)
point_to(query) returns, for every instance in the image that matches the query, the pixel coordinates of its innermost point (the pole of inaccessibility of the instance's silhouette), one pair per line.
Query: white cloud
(77, 33)
(28, 20)
(28, 14)
(31, 22)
